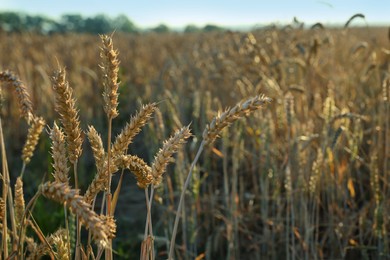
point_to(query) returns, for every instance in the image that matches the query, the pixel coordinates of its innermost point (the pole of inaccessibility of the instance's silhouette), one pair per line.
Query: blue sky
(176, 13)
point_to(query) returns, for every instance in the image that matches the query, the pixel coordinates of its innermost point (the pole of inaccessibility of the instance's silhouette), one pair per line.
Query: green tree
(212, 28)
(72, 22)
(98, 24)
(12, 22)
(162, 28)
(191, 28)
(123, 24)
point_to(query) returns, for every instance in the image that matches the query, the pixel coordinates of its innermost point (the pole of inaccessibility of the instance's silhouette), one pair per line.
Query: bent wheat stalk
(210, 134)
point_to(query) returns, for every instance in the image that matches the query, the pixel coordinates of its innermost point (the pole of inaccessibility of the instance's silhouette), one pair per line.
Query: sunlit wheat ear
(164, 155)
(142, 172)
(226, 118)
(97, 147)
(36, 127)
(60, 160)
(62, 193)
(132, 128)
(60, 242)
(57, 242)
(19, 201)
(100, 182)
(65, 106)
(25, 105)
(110, 223)
(110, 68)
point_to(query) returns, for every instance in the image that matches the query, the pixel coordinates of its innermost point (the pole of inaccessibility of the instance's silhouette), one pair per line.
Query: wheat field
(269, 144)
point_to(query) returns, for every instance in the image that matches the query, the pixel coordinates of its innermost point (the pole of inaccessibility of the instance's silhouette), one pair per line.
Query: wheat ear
(34, 131)
(226, 118)
(60, 160)
(57, 240)
(132, 128)
(97, 146)
(100, 181)
(65, 106)
(164, 155)
(25, 105)
(62, 193)
(142, 172)
(19, 201)
(110, 68)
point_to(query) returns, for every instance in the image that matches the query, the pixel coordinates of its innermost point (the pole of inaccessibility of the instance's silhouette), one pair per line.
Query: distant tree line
(75, 23)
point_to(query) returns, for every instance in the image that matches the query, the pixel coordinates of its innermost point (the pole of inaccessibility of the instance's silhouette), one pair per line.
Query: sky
(178, 13)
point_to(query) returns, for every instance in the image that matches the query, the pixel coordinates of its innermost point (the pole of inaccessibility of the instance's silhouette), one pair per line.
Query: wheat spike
(25, 105)
(60, 240)
(110, 68)
(62, 193)
(34, 131)
(110, 224)
(164, 155)
(56, 241)
(100, 182)
(139, 168)
(65, 106)
(230, 115)
(97, 147)
(19, 201)
(60, 160)
(132, 128)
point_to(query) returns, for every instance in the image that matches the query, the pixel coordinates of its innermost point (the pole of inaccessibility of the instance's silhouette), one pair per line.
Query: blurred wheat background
(307, 177)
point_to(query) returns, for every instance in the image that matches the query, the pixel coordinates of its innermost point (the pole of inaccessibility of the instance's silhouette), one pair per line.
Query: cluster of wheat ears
(61, 186)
